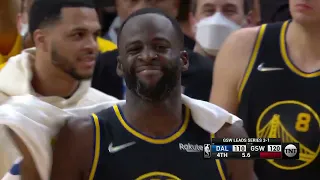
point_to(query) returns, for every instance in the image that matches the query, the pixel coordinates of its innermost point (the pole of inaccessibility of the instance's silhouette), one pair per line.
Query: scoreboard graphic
(250, 148)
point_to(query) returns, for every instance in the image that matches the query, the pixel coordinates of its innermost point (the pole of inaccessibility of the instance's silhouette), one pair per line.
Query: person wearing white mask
(214, 20)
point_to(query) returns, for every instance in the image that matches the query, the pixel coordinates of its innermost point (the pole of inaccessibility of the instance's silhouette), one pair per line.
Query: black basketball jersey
(277, 100)
(122, 152)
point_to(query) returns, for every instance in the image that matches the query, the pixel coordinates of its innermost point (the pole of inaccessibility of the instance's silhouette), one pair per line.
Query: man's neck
(304, 42)
(49, 81)
(155, 119)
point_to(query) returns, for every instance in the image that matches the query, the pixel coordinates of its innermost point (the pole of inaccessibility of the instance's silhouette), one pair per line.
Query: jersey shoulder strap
(271, 45)
(266, 50)
(103, 135)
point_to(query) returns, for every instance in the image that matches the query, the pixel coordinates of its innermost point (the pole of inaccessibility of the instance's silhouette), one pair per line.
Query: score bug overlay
(251, 148)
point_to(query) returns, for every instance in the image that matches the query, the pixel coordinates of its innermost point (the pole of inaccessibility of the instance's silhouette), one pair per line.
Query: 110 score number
(239, 148)
(242, 149)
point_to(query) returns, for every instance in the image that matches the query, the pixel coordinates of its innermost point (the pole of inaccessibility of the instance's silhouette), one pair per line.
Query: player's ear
(119, 67)
(184, 59)
(41, 39)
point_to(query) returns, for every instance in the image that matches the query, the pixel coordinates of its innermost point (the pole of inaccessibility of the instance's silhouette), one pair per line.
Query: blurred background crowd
(197, 19)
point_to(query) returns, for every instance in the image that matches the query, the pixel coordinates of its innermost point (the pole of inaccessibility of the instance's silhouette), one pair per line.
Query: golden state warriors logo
(158, 176)
(292, 121)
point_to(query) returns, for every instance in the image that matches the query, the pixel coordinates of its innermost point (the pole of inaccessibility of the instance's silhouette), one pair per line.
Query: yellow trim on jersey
(223, 177)
(157, 173)
(105, 45)
(212, 136)
(97, 147)
(173, 137)
(252, 60)
(218, 163)
(16, 49)
(284, 53)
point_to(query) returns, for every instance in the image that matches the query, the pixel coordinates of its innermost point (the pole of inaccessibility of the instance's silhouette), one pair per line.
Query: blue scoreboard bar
(221, 148)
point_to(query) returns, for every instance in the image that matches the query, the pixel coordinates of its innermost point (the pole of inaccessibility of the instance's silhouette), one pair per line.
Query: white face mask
(212, 31)
(24, 29)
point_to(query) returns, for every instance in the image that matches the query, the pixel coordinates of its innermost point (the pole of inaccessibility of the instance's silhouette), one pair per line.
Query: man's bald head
(173, 21)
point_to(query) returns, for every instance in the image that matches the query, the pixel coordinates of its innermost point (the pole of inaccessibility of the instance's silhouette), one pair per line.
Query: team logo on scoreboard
(292, 121)
(158, 175)
(207, 151)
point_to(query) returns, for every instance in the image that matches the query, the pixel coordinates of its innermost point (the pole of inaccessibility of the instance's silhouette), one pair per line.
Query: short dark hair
(143, 11)
(46, 12)
(247, 5)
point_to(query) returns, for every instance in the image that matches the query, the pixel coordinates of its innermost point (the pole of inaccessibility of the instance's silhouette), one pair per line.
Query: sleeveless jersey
(277, 100)
(122, 152)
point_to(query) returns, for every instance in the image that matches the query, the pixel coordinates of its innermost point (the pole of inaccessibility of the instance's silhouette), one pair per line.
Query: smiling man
(140, 138)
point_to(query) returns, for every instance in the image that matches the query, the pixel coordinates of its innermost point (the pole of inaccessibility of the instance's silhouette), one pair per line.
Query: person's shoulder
(79, 122)
(76, 127)
(245, 33)
(232, 59)
(81, 125)
(240, 40)
(75, 139)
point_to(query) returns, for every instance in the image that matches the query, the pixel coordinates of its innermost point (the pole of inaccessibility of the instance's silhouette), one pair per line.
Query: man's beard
(155, 93)
(65, 65)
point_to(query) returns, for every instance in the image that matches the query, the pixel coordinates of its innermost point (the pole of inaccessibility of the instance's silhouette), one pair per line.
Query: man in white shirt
(59, 69)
